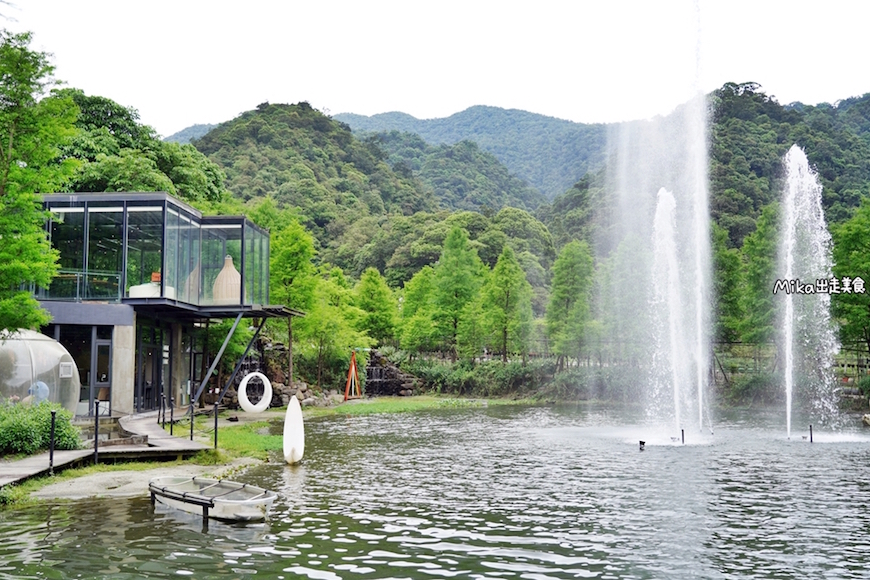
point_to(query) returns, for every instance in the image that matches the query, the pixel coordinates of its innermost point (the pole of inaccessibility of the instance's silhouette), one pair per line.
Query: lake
(497, 492)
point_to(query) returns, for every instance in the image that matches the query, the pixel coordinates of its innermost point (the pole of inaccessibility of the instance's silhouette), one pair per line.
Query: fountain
(668, 309)
(660, 180)
(808, 337)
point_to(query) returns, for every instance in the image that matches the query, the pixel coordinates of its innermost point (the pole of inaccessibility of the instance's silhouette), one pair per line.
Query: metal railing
(78, 286)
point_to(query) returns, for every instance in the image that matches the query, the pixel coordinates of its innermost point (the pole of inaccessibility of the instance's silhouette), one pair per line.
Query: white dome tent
(36, 368)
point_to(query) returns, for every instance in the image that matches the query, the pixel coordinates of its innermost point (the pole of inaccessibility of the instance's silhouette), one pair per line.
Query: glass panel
(172, 255)
(250, 266)
(105, 332)
(149, 364)
(194, 279)
(188, 260)
(105, 240)
(144, 251)
(77, 340)
(67, 232)
(68, 237)
(221, 248)
(103, 371)
(264, 267)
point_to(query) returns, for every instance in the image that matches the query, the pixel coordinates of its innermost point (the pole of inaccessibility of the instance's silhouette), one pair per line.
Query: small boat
(213, 498)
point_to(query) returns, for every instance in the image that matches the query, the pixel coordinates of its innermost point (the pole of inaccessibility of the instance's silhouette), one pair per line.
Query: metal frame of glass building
(140, 275)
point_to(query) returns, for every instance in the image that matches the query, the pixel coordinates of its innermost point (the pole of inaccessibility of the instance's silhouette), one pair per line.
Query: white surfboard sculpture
(294, 433)
(264, 403)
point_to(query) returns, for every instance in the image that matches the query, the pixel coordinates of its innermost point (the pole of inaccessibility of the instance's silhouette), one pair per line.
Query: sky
(184, 62)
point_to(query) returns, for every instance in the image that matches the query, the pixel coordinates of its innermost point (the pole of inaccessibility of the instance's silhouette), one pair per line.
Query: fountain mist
(808, 337)
(660, 179)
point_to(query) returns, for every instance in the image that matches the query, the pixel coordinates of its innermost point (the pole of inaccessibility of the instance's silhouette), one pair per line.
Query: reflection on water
(553, 492)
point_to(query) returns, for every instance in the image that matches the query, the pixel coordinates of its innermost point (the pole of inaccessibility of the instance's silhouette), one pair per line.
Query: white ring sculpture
(264, 402)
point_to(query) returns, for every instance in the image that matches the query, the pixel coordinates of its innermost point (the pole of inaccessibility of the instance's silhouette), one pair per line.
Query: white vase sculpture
(227, 287)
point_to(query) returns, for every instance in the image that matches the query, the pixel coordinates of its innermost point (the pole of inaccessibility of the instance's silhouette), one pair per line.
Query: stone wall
(386, 379)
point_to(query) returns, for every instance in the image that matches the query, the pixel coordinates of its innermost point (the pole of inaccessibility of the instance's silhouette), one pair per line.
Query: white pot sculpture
(227, 287)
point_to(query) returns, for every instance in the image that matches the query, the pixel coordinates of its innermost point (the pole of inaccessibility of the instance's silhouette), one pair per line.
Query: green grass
(247, 441)
(404, 405)
(250, 439)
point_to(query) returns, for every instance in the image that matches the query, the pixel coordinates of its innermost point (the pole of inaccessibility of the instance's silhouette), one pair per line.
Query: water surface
(499, 492)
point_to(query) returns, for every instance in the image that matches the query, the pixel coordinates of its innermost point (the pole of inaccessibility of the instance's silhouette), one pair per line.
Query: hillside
(462, 176)
(550, 154)
(750, 133)
(303, 159)
(189, 134)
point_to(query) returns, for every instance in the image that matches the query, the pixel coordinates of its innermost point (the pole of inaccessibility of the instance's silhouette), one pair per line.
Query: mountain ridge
(550, 154)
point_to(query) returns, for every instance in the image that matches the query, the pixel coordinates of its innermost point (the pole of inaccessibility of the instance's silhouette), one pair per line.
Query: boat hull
(213, 498)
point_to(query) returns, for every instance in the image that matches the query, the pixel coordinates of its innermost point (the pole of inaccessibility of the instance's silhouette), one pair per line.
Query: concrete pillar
(124, 368)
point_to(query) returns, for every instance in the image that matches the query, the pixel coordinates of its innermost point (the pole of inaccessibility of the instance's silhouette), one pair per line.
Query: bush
(763, 388)
(619, 383)
(486, 379)
(27, 429)
(864, 385)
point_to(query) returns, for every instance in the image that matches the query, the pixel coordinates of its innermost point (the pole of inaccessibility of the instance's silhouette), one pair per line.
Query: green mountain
(303, 159)
(750, 133)
(463, 176)
(550, 154)
(189, 134)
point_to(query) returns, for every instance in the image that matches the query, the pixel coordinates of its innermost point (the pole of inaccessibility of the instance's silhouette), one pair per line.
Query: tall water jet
(809, 339)
(667, 301)
(659, 176)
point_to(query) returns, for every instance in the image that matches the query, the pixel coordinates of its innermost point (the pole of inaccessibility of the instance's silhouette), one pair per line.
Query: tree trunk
(504, 343)
(290, 351)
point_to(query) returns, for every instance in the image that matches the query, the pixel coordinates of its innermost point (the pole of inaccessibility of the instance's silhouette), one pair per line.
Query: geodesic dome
(36, 368)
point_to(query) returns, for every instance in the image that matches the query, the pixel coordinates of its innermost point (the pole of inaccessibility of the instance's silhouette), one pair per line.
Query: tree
(329, 332)
(507, 305)
(457, 281)
(292, 275)
(568, 309)
(33, 126)
(376, 300)
(417, 325)
(728, 286)
(759, 251)
(852, 260)
(118, 153)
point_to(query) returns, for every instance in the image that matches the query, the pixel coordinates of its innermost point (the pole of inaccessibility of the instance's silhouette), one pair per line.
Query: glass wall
(182, 257)
(144, 251)
(221, 263)
(67, 234)
(139, 246)
(256, 266)
(105, 244)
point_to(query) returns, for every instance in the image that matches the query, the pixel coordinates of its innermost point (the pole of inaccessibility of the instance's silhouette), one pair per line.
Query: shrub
(764, 388)
(486, 379)
(25, 429)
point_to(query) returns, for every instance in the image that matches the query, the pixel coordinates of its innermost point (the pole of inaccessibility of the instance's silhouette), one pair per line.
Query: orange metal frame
(351, 389)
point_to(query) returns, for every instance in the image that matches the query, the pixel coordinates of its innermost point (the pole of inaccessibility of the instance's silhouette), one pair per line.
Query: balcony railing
(76, 286)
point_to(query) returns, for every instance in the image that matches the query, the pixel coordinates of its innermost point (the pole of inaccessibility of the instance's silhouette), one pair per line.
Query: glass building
(141, 276)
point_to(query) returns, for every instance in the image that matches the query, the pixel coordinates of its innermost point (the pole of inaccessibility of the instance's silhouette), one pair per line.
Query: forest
(450, 246)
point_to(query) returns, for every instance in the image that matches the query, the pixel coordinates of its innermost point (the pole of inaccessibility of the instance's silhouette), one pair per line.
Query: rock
(866, 420)
(300, 395)
(309, 402)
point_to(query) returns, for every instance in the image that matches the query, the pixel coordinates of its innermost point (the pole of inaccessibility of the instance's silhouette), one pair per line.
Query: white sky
(181, 62)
